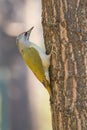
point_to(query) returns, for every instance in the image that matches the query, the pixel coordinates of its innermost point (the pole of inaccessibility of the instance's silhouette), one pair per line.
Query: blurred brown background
(24, 103)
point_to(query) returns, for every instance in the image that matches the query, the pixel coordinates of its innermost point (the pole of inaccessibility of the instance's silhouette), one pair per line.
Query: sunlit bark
(65, 28)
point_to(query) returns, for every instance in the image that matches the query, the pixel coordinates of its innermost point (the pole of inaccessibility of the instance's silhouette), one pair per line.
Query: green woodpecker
(36, 59)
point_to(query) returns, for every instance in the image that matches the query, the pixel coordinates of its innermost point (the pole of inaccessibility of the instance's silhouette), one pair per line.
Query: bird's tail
(47, 86)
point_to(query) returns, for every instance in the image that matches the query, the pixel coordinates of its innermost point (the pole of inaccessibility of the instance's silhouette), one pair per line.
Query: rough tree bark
(65, 28)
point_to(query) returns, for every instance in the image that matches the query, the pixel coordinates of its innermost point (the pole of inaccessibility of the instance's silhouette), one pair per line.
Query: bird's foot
(53, 51)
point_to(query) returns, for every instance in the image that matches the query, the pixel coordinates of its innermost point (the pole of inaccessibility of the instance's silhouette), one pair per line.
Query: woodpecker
(35, 58)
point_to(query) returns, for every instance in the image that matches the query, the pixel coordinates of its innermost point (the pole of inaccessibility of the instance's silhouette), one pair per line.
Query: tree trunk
(65, 29)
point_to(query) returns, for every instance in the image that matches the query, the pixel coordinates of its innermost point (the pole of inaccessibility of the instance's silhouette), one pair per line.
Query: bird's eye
(25, 33)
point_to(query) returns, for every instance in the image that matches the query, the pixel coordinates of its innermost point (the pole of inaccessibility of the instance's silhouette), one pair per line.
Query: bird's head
(23, 37)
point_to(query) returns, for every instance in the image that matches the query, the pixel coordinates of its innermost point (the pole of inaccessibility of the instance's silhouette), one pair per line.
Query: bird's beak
(29, 31)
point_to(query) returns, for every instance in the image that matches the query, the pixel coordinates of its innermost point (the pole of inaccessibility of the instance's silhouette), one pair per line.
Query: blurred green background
(24, 102)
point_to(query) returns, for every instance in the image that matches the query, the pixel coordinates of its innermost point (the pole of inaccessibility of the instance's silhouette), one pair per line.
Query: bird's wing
(33, 60)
